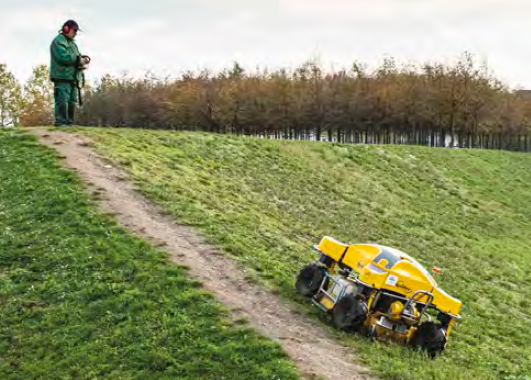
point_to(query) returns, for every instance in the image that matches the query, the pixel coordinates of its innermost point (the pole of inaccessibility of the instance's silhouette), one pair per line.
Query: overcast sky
(171, 36)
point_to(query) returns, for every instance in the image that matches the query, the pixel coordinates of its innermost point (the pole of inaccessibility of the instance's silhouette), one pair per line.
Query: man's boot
(71, 113)
(61, 97)
(61, 114)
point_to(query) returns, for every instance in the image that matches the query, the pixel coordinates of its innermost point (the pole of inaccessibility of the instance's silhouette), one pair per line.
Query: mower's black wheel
(309, 280)
(350, 313)
(430, 337)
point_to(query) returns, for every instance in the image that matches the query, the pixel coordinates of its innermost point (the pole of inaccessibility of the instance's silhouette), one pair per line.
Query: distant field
(82, 299)
(267, 202)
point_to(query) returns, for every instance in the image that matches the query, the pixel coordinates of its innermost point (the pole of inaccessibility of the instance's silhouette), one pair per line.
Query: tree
(10, 98)
(431, 104)
(38, 99)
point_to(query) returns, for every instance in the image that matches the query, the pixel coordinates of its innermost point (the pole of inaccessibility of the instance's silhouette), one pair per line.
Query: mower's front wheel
(309, 280)
(430, 337)
(350, 313)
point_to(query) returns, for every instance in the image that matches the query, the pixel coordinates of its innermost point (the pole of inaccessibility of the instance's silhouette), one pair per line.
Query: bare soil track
(307, 344)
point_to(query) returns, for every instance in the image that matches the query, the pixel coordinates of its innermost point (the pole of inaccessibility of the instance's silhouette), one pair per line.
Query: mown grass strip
(267, 202)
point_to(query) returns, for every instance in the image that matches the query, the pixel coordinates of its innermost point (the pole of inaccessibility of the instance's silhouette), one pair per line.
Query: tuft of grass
(267, 202)
(80, 298)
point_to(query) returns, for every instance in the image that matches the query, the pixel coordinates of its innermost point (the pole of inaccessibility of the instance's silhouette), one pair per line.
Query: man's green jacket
(64, 53)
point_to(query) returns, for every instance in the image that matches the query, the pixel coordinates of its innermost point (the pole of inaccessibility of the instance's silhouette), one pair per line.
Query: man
(65, 71)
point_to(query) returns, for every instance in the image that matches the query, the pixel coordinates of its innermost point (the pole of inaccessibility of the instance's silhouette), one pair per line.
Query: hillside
(81, 298)
(267, 202)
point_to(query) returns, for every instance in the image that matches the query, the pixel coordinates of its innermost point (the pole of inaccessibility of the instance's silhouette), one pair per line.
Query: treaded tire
(430, 337)
(350, 313)
(309, 280)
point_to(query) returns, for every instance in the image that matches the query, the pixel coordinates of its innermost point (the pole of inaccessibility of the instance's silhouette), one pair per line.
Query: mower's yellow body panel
(389, 269)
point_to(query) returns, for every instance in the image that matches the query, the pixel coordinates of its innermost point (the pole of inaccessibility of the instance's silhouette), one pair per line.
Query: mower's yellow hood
(388, 268)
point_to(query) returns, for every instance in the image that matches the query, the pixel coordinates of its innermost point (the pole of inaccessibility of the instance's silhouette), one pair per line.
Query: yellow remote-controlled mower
(381, 292)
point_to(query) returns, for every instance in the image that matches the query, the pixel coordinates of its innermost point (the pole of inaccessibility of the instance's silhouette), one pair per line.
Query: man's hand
(84, 61)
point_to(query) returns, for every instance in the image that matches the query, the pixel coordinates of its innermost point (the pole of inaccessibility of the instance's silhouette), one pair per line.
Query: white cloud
(174, 36)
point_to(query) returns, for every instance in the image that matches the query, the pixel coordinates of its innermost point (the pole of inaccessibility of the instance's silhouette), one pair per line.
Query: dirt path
(308, 346)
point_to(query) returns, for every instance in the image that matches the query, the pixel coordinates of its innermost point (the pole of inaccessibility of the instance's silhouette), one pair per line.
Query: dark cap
(71, 24)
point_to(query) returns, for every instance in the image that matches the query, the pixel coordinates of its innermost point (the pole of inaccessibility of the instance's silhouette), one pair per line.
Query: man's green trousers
(65, 97)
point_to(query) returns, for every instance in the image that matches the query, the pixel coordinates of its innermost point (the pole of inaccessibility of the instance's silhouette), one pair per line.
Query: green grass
(267, 202)
(82, 299)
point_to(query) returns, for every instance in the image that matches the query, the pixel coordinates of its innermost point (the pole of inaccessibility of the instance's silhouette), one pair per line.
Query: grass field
(82, 299)
(267, 202)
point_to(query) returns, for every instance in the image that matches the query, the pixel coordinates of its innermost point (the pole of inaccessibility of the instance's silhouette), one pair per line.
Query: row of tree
(436, 105)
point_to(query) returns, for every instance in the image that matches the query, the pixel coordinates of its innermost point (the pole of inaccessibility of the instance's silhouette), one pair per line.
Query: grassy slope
(82, 299)
(267, 202)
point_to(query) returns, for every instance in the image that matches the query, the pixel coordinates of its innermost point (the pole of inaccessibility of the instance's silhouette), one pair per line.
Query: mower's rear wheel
(350, 313)
(430, 337)
(309, 280)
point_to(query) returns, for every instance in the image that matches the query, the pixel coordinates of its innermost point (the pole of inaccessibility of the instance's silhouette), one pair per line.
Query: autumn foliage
(435, 105)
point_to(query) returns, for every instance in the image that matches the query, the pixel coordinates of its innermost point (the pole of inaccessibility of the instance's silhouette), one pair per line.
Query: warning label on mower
(391, 280)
